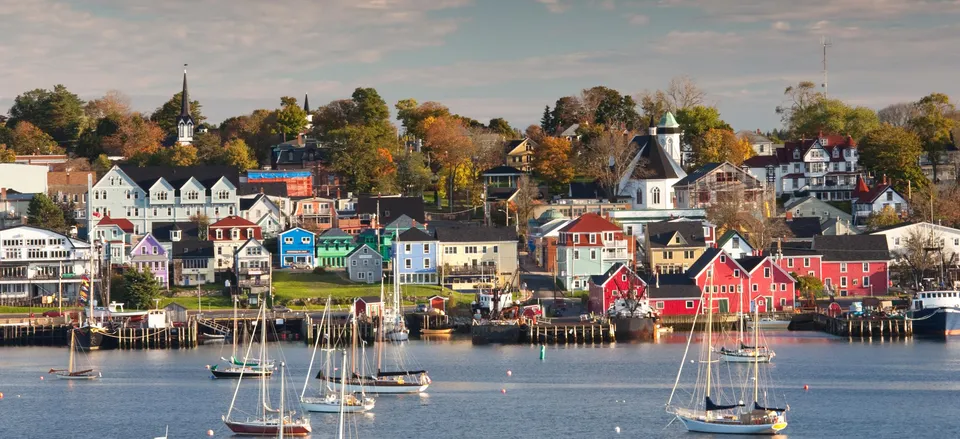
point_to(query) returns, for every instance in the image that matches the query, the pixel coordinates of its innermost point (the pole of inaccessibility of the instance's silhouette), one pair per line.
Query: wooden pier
(126, 338)
(854, 327)
(571, 333)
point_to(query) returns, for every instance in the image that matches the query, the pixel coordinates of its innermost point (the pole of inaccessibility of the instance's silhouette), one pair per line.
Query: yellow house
(673, 246)
(520, 153)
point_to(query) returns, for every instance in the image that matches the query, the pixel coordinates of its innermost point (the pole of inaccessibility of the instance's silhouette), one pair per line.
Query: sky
(481, 58)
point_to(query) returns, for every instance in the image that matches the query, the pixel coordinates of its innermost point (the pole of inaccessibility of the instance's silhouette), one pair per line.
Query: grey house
(364, 265)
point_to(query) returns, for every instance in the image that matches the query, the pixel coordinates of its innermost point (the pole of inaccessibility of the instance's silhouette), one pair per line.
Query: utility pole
(825, 43)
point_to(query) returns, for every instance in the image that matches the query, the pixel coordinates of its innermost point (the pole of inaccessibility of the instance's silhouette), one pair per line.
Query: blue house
(416, 257)
(296, 246)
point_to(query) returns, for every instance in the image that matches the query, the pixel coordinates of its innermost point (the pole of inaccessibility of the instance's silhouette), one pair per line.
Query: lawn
(291, 286)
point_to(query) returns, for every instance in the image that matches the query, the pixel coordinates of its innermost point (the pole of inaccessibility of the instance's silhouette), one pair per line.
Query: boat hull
(502, 334)
(267, 428)
(444, 331)
(397, 336)
(745, 357)
(319, 405)
(230, 374)
(94, 340)
(634, 328)
(77, 377)
(699, 426)
(377, 387)
(936, 322)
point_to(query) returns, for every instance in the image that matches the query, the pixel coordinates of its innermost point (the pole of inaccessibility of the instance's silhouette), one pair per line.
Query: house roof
(601, 280)
(502, 170)
(804, 226)
(754, 137)
(730, 234)
(369, 299)
(570, 131)
(391, 207)
(188, 230)
(705, 259)
(761, 161)
(668, 121)
(414, 235)
(359, 247)
(298, 229)
(123, 223)
(233, 221)
(402, 222)
(501, 193)
(177, 176)
(750, 263)
(334, 233)
(460, 232)
(192, 248)
(590, 223)
(852, 247)
(672, 286)
(247, 203)
(660, 233)
(277, 189)
(69, 178)
(697, 174)
(870, 196)
(659, 165)
(586, 191)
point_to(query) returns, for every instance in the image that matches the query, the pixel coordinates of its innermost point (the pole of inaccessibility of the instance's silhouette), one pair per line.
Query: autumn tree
(334, 116)
(500, 126)
(412, 115)
(450, 144)
(7, 155)
(134, 135)
(413, 174)
(534, 133)
(256, 129)
(567, 111)
(720, 145)
(732, 211)
(933, 124)
(552, 162)
(27, 139)
(886, 217)
(112, 104)
(694, 123)
(208, 146)
(364, 143)
(807, 112)
(894, 152)
(165, 116)
(682, 93)
(291, 119)
(608, 158)
(237, 153)
(524, 201)
(44, 213)
(176, 155)
(899, 114)
(57, 112)
(808, 284)
(920, 252)
(101, 165)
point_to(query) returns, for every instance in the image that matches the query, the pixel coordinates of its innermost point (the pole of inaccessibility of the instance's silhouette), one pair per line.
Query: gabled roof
(852, 248)
(601, 280)
(460, 232)
(750, 263)
(660, 233)
(356, 249)
(177, 176)
(502, 170)
(730, 234)
(753, 137)
(188, 230)
(415, 235)
(761, 161)
(247, 203)
(391, 207)
(697, 174)
(402, 222)
(277, 189)
(299, 229)
(369, 299)
(586, 191)
(804, 226)
(706, 259)
(192, 249)
(872, 195)
(233, 221)
(123, 223)
(590, 223)
(334, 233)
(570, 131)
(252, 242)
(672, 286)
(658, 165)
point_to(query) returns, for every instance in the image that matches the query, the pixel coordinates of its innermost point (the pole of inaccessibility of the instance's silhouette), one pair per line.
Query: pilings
(571, 333)
(174, 337)
(857, 327)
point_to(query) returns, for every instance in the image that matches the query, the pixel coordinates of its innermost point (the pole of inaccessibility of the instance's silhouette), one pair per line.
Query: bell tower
(668, 134)
(185, 122)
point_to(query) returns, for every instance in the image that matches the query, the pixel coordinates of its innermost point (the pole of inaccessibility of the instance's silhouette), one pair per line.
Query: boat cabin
(936, 299)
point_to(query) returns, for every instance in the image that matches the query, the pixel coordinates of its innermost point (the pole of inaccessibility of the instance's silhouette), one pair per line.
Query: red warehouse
(619, 281)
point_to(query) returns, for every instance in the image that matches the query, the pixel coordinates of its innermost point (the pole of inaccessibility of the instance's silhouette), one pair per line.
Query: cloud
(555, 6)
(698, 41)
(780, 25)
(750, 11)
(639, 19)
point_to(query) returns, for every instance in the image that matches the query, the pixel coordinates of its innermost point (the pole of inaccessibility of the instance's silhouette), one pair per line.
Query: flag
(84, 289)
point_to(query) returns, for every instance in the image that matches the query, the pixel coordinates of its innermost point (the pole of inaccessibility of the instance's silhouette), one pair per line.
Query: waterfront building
(369, 306)
(673, 246)
(148, 253)
(252, 267)
(40, 264)
(848, 265)
(940, 239)
(228, 235)
(472, 255)
(674, 294)
(117, 234)
(144, 195)
(296, 246)
(416, 254)
(193, 263)
(262, 211)
(332, 247)
(824, 167)
(589, 246)
(618, 282)
(364, 264)
(316, 213)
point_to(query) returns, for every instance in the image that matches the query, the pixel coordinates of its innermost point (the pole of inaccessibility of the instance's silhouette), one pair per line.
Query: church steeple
(306, 108)
(185, 121)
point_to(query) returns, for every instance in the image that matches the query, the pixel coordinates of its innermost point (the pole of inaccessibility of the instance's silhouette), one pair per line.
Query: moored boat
(935, 313)
(69, 373)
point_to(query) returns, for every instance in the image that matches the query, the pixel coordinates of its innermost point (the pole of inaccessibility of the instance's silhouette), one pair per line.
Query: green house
(369, 237)
(332, 248)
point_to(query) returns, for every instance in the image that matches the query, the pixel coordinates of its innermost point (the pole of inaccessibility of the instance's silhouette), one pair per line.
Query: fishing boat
(436, 331)
(706, 413)
(265, 420)
(329, 400)
(935, 313)
(69, 373)
(745, 353)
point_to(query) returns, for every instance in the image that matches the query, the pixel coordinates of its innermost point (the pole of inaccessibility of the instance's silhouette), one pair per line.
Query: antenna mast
(825, 43)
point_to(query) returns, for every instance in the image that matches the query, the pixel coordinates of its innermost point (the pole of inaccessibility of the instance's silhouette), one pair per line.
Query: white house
(813, 207)
(735, 244)
(252, 266)
(262, 211)
(473, 255)
(872, 201)
(36, 262)
(948, 237)
(824, 167)
(762, 146)
(649, 179)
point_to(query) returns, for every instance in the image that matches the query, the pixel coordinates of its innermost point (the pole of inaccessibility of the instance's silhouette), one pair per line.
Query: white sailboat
(330, 401)
(395, 324)
(744, 353)
(265, 420)
(69, 373)
(705, 412)
(245, 361)
(249, 367)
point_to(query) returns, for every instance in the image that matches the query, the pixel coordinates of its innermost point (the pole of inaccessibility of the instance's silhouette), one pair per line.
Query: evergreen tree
(43, 212)
(546, 122)
(140, 288)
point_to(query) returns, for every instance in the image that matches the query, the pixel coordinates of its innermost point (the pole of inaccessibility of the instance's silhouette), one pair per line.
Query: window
(640, 196)
(783, 287)
(249, 233)
(223, 195)
(688, 254)
(160, 196)
(576, 254)
(220, 234)
(360, 275)
(766, 272)
(736, 243)
(408, 263)
(426, 249)
(353, 263)
(736, 273)
(896, 241)
(806, 262)
(169, 211)
(843, 281)
(754, 287)
(593, 255)
(143, 250)
(843, 267)
(305, 240)
(723, 259)
(154, 250)
(689, 304)
(677, 240)
(866, 281)
(655, 195)
(790, 262)
(426, 262)
(866, 267)
(668, 255)
(723, 288)
(576, 238)
(287, 240)
(193, 195)
(659, 304)
(956, 241)
(593, 238)
(449, 250)
(889, 196)
(234, 234)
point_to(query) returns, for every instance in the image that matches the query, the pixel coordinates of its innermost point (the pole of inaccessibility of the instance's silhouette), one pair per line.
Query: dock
(576, 333)
(45, 332)
(853, 327)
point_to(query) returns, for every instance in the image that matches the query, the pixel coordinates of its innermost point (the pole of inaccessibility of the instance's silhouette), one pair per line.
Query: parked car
(52, 313)
(281, 308)
(422, 307)
(300, 266)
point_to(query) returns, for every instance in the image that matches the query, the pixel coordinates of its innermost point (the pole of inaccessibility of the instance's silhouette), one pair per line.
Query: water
(858, 389)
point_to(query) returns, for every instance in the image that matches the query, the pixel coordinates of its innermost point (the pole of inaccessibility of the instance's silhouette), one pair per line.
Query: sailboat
(329, 400)
(246, 361)
(745, 353)
(384, 382)
(397, 331)
(267, 421)
(237, 368)
(69, 373)
(705, 413)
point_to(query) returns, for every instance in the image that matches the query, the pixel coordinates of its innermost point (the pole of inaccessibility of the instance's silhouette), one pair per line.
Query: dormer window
(161, 196)
(219, 233)
(223, 195)
(796, 153)
(836, 152)
(249, 233)
(193, 195)
(234, 234)
(174, 235)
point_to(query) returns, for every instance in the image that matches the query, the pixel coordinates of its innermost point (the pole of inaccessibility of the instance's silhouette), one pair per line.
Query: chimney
(789, 216)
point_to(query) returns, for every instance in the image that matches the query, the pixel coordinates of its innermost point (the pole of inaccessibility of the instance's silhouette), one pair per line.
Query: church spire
(185, 123)
(306, 103)
(185, 97)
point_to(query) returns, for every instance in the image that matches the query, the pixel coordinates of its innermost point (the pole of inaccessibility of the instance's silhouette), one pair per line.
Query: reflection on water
(856, 389)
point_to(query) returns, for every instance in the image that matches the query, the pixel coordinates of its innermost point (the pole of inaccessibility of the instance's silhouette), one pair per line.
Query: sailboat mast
(756, 353)
(281, 397)
(236, 340)
(92, 274)
(263, 350)
(740, 314)
(73, 346)
(343, 396)
(709, 331)
(313, 356)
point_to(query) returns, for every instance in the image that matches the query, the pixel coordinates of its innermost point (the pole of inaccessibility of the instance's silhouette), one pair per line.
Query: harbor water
(857, 389)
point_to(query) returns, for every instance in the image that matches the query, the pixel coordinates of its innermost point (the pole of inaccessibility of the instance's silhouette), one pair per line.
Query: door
(724, 306)
(769, 304)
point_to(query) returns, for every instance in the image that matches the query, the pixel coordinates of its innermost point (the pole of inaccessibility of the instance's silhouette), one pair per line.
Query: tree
(101, 165)
(886, 217)
(236, 153)
(898, 115)
(177, 155)
(356, 155)
(114, 103)
(134, 135)
(449, 143)
(933, 125)
(921, 251)
(731, 211)
(567, 111)
(546, 121)
(552, 162)
(413, 174)
(256, 129)
(608, 158)
(28, 139)
(808, 112)
(7, 155)
(695, 121)
(683, 92)
(334, 116)
(807, 285)
(43, 212)
(208, 146)
(140, 287)
(291, 119)
(654, 104)
(165, 116)
(500, 126)
(610, 108)
(370, 106)
(411, 115)
(203, 225)
(720, 145)
(894, 152)
(58, 113)
(524, 201)
(535, 133)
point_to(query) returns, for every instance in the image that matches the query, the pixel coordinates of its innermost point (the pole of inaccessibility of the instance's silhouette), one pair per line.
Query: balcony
(616, 254)
(470, 270)
(255, 271)
(616, 243)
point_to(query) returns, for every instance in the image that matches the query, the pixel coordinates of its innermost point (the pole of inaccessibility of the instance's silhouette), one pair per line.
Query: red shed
(370, 306)
(438, 303)
(617, 282)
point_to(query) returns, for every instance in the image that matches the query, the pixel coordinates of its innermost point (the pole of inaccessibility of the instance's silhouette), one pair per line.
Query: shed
(371, 306)
(176, 312)
(438, 303)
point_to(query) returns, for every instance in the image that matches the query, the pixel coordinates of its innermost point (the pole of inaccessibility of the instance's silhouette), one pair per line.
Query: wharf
(853, 327)
(577, 332)
(44, 332)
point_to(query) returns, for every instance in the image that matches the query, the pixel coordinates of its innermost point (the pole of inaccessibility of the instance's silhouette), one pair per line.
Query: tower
(185, 122)
(306, 109)
(668, 134)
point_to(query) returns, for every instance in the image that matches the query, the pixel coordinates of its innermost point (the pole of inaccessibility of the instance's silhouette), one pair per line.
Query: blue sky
(481, 58)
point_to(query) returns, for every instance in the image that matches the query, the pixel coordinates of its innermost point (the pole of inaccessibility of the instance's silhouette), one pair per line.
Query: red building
(619, 281)
(371, 306)
(848, 265)
(438, 303)
(299, 183)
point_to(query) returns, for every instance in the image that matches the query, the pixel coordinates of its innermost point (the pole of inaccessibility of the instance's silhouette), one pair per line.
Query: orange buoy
(1, 395)
(509, 373)
(209, 432)
(806, 387)
(503, 391)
